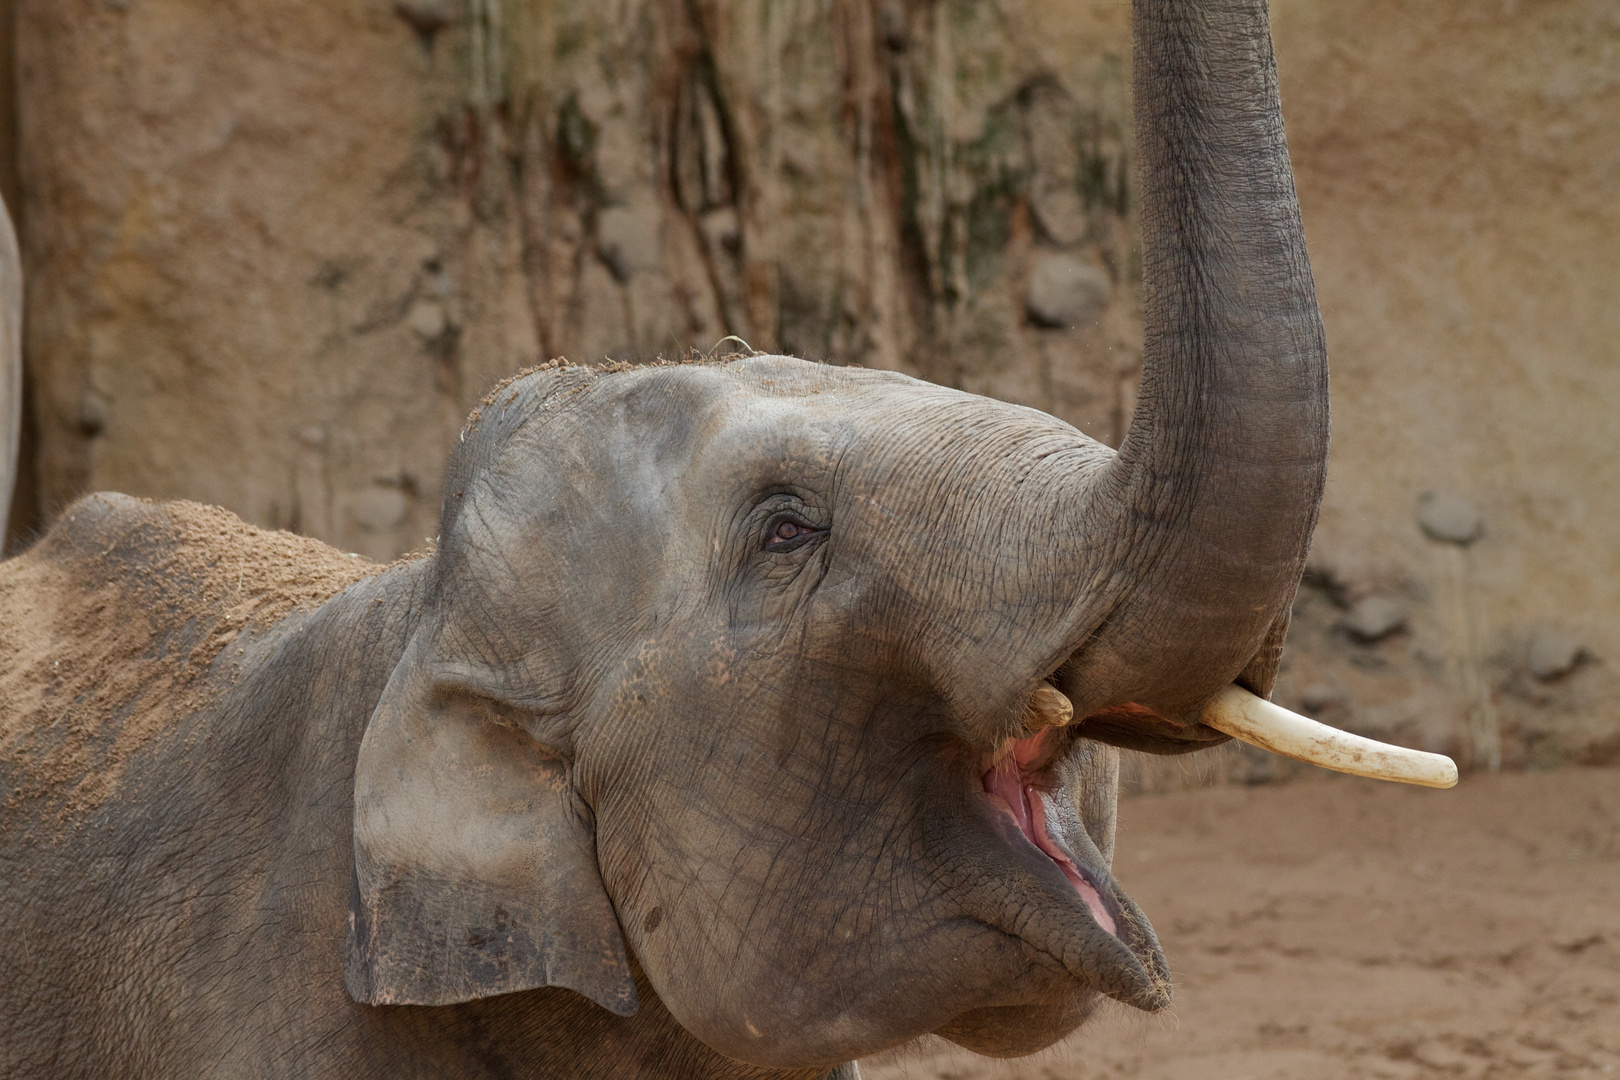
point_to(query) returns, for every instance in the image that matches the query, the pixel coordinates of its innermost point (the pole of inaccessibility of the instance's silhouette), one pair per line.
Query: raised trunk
(1218, 480)
(11, 363)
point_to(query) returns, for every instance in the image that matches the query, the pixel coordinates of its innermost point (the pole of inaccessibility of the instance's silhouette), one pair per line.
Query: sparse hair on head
(716, 355)
(519, 398)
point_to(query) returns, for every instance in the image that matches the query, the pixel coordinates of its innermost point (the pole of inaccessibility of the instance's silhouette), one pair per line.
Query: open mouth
(1077, 918)
(1013, 782)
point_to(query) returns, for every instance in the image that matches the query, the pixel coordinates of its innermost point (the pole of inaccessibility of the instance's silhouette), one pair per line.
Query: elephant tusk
(1048, 707)
(1242, 715)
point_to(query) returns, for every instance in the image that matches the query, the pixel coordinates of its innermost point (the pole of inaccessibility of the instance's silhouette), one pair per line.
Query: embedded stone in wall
(380, 509)
(1553, 654)
(1373, 618)
(1319, 698)
(428, 17)
(628, 240)
(1065, 292)
(1445, 516)
(428, 319)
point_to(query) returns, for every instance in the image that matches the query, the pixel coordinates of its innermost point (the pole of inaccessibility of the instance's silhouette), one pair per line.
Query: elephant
(745, 718)
(11, 366)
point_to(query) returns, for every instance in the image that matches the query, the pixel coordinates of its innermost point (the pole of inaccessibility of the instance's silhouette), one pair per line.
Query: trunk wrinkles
(1215, 490)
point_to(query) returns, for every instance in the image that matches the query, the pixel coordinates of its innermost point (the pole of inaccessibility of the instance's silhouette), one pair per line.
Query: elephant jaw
(1011, 783)
(1035, 875)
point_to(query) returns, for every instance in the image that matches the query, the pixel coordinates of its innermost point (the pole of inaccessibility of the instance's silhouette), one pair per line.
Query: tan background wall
(1459, 172)
(276, 250)
(279, 249)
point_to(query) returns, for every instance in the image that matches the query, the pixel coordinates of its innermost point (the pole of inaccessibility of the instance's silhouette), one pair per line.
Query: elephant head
(762, 671)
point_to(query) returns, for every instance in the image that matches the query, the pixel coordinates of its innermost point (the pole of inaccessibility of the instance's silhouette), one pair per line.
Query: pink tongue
(1006, 783)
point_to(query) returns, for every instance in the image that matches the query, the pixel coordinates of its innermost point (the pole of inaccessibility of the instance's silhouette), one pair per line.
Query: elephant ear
(475, 867)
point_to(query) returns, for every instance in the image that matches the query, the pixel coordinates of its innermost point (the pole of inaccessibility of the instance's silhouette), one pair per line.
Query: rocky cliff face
(278, 249)
(1459, 171)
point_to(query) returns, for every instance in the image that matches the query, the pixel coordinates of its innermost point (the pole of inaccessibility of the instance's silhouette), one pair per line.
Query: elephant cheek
(698, 982)
(1015, 1030)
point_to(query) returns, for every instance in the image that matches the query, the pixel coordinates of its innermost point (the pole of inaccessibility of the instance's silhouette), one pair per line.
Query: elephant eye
(787, 534)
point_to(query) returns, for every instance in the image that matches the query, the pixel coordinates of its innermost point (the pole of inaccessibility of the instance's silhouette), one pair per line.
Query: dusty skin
(1332, 927)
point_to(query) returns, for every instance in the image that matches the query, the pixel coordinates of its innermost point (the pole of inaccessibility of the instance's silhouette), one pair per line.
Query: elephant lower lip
(1005, 783)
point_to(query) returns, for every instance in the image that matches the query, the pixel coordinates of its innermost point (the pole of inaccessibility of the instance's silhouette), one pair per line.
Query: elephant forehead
(961, 519)
(941, 501)
(961, 501)
(927, 444)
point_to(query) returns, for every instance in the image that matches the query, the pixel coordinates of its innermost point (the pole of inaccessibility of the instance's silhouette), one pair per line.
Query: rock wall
(1459, 175)
(277, 250)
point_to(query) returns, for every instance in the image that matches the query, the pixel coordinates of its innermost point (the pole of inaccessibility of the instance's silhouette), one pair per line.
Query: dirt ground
(1331, 927)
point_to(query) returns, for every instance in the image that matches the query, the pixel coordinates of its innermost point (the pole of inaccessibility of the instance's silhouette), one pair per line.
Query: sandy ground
(1332, 927)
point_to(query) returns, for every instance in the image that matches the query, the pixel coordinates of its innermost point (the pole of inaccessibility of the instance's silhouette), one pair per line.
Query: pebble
(1373, 618)
(427, 16)
(896, 34)
(92, 414)
(1320, 697)
(428, 319)
(627, 238)
(1449, 517)
(722, 229)
(379, 509)
(1066, 292)
(1553, 654)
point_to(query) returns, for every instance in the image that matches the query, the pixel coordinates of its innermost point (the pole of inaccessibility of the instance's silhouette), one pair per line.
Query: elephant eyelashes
(787, 534)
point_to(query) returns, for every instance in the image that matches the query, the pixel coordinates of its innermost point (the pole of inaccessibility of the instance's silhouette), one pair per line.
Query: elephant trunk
(1214, 493)
(11, 365)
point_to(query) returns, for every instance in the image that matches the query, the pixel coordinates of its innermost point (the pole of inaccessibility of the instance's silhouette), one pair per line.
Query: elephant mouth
(1056, 893)
(1014, 786)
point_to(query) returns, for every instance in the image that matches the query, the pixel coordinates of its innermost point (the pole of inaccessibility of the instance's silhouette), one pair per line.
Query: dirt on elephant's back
(110, 628)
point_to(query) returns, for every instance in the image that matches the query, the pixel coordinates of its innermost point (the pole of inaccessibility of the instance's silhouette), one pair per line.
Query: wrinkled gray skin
(11, 366)
(619, 737)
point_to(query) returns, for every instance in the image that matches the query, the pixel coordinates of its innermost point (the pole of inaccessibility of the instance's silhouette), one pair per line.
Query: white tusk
(1048, 708)
(1255, 720)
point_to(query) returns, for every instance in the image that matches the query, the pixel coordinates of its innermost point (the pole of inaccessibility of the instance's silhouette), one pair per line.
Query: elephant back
(121, 622)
